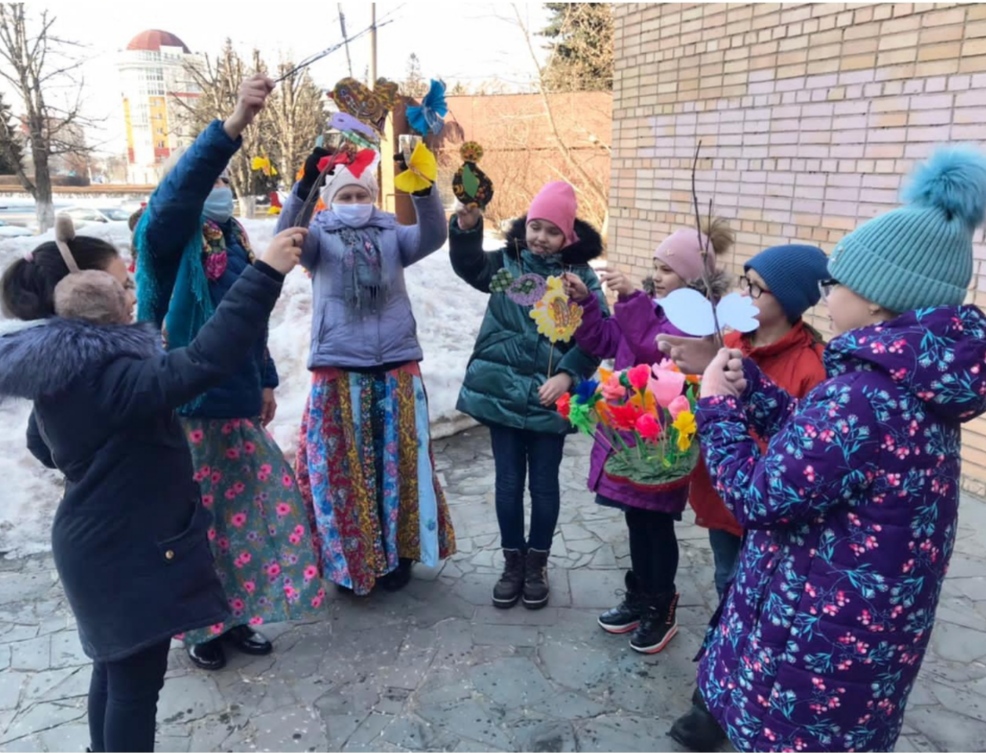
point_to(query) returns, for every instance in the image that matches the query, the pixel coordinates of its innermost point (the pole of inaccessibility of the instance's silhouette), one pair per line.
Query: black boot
(247, 640)
(208, 655)
(658, 623)
(396, 579)
(508, 589)
(625, 616)
(536, 579)
(698, 730)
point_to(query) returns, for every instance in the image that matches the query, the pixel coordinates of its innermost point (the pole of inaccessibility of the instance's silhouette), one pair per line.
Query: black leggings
(123, 699)
(653, 549)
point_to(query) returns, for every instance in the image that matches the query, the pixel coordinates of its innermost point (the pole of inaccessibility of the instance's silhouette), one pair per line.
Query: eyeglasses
(825, 287)
(752, 289)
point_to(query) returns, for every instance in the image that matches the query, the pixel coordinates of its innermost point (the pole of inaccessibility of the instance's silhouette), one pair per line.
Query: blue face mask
(353, 215)
(219, 204)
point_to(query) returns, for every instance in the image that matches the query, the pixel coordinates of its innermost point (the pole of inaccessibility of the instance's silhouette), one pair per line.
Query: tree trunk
(43, 208)
(248, 206)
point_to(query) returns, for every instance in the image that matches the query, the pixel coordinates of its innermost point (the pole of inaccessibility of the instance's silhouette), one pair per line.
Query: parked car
(82, 216)
(13, 231)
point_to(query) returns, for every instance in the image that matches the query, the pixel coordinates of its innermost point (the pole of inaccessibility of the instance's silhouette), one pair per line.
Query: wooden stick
(705, 246)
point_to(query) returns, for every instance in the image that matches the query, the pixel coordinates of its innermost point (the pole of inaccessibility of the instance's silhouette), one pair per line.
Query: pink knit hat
(556, 203)
(682, 251)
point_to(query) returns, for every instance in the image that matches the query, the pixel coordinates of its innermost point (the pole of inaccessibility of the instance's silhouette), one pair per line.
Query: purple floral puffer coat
(851, 517)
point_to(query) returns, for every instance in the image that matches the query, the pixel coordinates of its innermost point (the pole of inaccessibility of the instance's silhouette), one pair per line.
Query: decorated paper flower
(556, 316)
(526, 290)
(564, 405)
(587, 392)
(625, 416)
(648, 427)
(686, 426)
(471, 152)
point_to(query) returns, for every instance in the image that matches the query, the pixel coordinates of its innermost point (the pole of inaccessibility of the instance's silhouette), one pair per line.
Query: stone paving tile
(436, 667)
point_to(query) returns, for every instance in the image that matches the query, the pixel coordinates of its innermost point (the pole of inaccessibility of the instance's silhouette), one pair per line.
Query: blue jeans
(514, 452)
(725, 553)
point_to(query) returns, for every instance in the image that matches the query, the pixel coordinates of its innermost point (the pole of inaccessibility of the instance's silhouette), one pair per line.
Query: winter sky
(459, 41)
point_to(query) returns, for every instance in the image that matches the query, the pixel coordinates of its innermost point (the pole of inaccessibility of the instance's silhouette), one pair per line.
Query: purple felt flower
(527, 289)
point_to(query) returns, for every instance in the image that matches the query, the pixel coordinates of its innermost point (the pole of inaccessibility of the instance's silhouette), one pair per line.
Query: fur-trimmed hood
(721, 282)
(588, 247)
(42, 360)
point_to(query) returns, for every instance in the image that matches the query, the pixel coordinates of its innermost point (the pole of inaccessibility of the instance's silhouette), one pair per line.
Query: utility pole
(342, 25)
(373, 44)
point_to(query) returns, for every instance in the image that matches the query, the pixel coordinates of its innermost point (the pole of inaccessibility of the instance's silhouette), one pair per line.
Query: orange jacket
(794, 363)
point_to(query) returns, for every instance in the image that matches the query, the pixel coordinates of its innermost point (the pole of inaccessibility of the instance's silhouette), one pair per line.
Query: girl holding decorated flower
(630, 337)
(516, 373)
(851, 512)
(189, 252)
(364, 459)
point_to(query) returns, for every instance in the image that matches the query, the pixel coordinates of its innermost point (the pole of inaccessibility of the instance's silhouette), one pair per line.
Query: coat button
(169, 555)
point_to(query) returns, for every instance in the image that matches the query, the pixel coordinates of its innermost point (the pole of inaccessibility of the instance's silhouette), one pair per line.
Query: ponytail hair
(27, 289)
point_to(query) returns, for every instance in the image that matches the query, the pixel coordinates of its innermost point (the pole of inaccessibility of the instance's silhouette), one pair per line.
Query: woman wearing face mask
(189, 252)
(364, 459)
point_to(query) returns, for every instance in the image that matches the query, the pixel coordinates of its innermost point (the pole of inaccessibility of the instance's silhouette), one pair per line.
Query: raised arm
(137, 388)
(428, 234)
(469, 261)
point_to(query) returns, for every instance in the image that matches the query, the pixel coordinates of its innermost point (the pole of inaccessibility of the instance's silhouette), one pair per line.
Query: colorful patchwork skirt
(260, 534)
(367, 473)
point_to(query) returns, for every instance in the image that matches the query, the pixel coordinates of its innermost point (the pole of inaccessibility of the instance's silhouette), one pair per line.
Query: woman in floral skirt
(189, 252)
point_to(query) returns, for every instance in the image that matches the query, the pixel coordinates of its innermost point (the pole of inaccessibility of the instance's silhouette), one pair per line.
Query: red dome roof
(154, 40)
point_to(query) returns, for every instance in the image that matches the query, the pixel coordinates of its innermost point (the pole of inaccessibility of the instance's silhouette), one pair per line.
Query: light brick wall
(809, 115)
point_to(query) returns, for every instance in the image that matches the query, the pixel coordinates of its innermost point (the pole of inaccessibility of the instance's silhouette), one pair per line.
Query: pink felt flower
(666, 385)
(638, 377)
(679, 405)
(648, 427)
(613, 391)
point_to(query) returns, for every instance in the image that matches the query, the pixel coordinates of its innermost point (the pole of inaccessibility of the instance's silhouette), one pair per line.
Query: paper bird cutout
(691, 312)
(422, 170)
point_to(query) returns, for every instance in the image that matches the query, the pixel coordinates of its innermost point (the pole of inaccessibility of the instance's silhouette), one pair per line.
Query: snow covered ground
(447, 310)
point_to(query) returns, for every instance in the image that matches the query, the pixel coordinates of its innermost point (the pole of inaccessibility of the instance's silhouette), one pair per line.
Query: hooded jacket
(851, 517)
(129, 536)
(511, 360)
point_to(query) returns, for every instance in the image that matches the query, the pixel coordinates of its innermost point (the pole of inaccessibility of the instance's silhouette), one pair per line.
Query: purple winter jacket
(851, 517)
(340, 338)
(629, 336)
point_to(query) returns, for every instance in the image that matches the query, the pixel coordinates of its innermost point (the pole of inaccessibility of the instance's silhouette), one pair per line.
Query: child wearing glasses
(783, 282)
(630, 336)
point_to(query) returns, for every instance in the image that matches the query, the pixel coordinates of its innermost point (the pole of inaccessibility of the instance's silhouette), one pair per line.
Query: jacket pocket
(176, 548)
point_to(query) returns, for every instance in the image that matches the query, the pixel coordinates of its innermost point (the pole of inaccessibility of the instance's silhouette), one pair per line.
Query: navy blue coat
(129, 536)
(174, 216)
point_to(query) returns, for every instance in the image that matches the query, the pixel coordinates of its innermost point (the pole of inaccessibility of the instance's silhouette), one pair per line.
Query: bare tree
(38, 64)
(294, 116)
(581, 44)
(414, 84)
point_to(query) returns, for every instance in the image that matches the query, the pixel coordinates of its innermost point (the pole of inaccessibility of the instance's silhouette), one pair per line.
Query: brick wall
(809, 116)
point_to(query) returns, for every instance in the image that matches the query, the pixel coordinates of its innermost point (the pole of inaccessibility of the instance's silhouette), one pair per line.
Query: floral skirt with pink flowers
(260, 534)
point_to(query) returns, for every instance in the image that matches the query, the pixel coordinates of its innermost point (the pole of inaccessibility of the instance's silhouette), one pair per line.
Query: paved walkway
(435, 667)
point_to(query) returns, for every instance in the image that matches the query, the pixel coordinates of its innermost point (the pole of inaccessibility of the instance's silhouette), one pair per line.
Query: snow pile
(448, 312)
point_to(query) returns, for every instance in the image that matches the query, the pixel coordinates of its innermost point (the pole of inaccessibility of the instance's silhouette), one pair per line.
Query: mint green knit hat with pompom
(919, 255)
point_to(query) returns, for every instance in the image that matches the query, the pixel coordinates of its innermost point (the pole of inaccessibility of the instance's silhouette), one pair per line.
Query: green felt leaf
(469, 180)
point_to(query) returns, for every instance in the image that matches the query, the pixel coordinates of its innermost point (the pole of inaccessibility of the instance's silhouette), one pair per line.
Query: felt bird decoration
(428, 116)
(471, 185)
(354, 129)
(367, 106)
(421, 173)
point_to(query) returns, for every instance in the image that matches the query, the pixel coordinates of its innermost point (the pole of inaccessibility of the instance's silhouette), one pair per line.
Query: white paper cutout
(691, 312)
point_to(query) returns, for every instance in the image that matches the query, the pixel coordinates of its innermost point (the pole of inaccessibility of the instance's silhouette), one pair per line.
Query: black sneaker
(697, 729)
(625, 616)
(536, 579)
(658, 624)
(509, 588)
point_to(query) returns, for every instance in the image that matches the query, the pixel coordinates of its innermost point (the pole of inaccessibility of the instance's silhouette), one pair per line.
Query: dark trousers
(725, 553)
(517, 452)
(653, 549)
(123, 700)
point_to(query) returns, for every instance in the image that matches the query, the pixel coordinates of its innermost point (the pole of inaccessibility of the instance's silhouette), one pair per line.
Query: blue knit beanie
(792, 273)
(920, 255)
